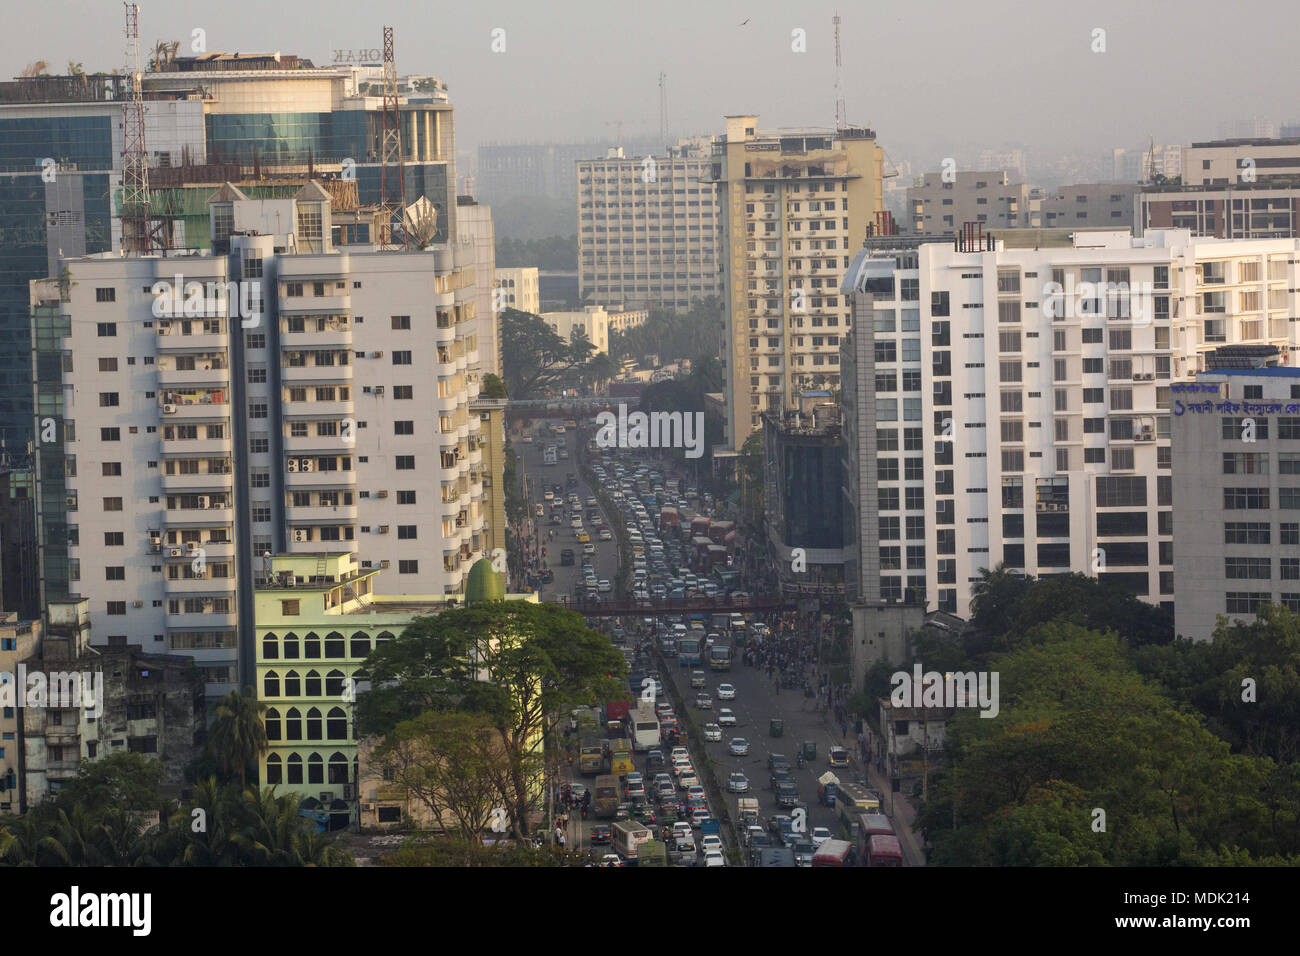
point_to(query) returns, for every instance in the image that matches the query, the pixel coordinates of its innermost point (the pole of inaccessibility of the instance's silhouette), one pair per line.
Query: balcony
(333, 336)
(200, 518)
(318, 410)
(316, 374)
(205, 374)
(181, 587)
(197, 447)
(202, 622)
(315, 304)
(170, 338)
(320, 514)
(178, 408)
(317, 444)
(303, 480)
(211, 481)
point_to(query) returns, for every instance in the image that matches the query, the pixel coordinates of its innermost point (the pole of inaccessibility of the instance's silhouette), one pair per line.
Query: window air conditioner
(382, 529)
(176, 552)
(169, 409)
(379, 389)
(191, 545)
(376, 355)
(204, 501)
(383, 564)
(137, 603)
(381, 494)
(1042, 506)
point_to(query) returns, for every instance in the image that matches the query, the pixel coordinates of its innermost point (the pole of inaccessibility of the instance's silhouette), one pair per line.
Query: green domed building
(484, 584)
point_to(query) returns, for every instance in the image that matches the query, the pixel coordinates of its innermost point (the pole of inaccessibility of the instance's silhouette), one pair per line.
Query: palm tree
(238, 734)
(35, 68)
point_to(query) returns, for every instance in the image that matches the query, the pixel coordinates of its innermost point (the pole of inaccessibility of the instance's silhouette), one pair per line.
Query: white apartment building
(335, 417)
(477, 236)
(1016, 415)
(518, 288)
(793, 204)
(647, 229)
(1236, 496)
(593, 322)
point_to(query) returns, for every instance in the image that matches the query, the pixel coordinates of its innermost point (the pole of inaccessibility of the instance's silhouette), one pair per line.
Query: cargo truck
(616, 712)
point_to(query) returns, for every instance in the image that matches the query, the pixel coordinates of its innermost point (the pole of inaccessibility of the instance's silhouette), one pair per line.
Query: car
(604, 534)
(726, 692)
(612, 859)
(695, 793)
(714, 858)
(787, 794)
(679, 752)
(588, 548)
(604, 586)
(838, 757)
(548, 496)
(600, 835)
(682, 831)
(665, 791)
(662, 778)
(710, 841)
(737, 782)
(726, 718)
(654, 760)
(739, 747)
(704, 702)
(662, 709)
(754, 836)
(635, 790)
(712, 732)
(803, 853)
(779, 776)
(820, 835)
(699, 814)
(582, 537)
(697, 678)
(566, 557)
(777, 760)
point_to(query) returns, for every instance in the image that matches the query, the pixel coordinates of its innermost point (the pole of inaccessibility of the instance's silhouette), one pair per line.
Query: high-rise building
(647, 229)
(312, 396)
(1236, 504)
(938, 207)
(1090, 206)
(1014, 403)
(222, 117)
(478, 238)
(793, 204)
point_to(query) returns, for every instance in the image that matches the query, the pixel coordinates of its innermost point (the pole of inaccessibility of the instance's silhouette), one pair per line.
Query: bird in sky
(743, 22)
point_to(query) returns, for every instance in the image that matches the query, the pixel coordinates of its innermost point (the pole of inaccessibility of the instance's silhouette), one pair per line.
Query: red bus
(883, 850)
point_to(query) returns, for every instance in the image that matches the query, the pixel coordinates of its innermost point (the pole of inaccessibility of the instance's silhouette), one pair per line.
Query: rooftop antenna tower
(841, 113)
(390, 152)
(663, 109)
(137, 228)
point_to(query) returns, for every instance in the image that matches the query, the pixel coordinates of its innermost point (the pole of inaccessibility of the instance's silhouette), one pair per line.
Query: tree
(535, 357)
(996, 597)
(519, 665)
(453, 763)
(238, 735)
(127, 781)
(35, 68)
(492, 387)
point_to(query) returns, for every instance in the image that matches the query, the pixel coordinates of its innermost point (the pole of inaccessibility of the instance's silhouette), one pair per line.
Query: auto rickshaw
(775, 727)
(810, 750)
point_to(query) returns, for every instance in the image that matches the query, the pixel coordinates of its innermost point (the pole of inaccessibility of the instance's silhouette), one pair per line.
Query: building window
(408, 567)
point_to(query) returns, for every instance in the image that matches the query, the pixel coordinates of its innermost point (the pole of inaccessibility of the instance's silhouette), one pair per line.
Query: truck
(834, 853)
(747, 811)
(627, 838)
(720, 653)
(884, 850)
(718, 531)
(616, 712)
(618, 757)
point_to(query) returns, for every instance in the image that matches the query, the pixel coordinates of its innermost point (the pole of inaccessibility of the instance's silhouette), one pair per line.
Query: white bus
(627, 836)
(645, 728)
(548, 455)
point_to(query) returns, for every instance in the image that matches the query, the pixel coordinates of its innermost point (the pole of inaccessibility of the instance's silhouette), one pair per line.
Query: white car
(712, 732)
(711, 841)
(679, 752)
(726, 718)
(820, 835)
(604, 586)
(738, 783)
(714, 858)
(739, 747)
(726, 692)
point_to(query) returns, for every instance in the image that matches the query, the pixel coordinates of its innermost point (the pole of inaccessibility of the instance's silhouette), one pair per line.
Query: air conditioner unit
(155, 546)
(326, 796)
(291, 582)
(208, 602)
(382, 529)
(383, 564)
(292, 465)
(204, 501)
(70, 501)
(299, 534)
(376, 355)
(1042, 506)
(379, 389)
(191, 545)
(169, 409)
(308, 464)
(368, 807)
(381, 494)
(137, 603)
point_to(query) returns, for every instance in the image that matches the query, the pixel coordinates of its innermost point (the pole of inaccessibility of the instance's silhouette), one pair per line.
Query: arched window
(383, 637)
(312, 684)
(271, 684)
(270, 648)
(292, 685)
(291, 646)
(293, 724)
(313, 724)
(311, 646)
(360, 644)
(336, 725)
(334, 681)
(334, 645)
(274, 770)
(272, 722)
(338, 768)
(315, 769)
(295, 768)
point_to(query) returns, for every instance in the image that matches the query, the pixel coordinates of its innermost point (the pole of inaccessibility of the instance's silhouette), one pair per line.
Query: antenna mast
(841, 112)
(390, 153)
(137, 229)
(663, 109)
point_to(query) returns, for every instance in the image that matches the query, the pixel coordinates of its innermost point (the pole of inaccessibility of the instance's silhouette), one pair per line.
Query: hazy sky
(932, 77)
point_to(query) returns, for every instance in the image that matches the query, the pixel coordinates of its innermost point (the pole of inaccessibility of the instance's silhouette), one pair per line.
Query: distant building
(593, 322)
(478, 248)
(938, 207)
(1090, 206)
(1236, 491)
(1231, 161)
(647, 228)
(558, 290)
(623, 321)
(20, 578)
(518, 288)
(19, 640)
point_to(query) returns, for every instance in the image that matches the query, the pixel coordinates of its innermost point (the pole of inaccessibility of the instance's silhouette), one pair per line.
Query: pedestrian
(844, 730)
